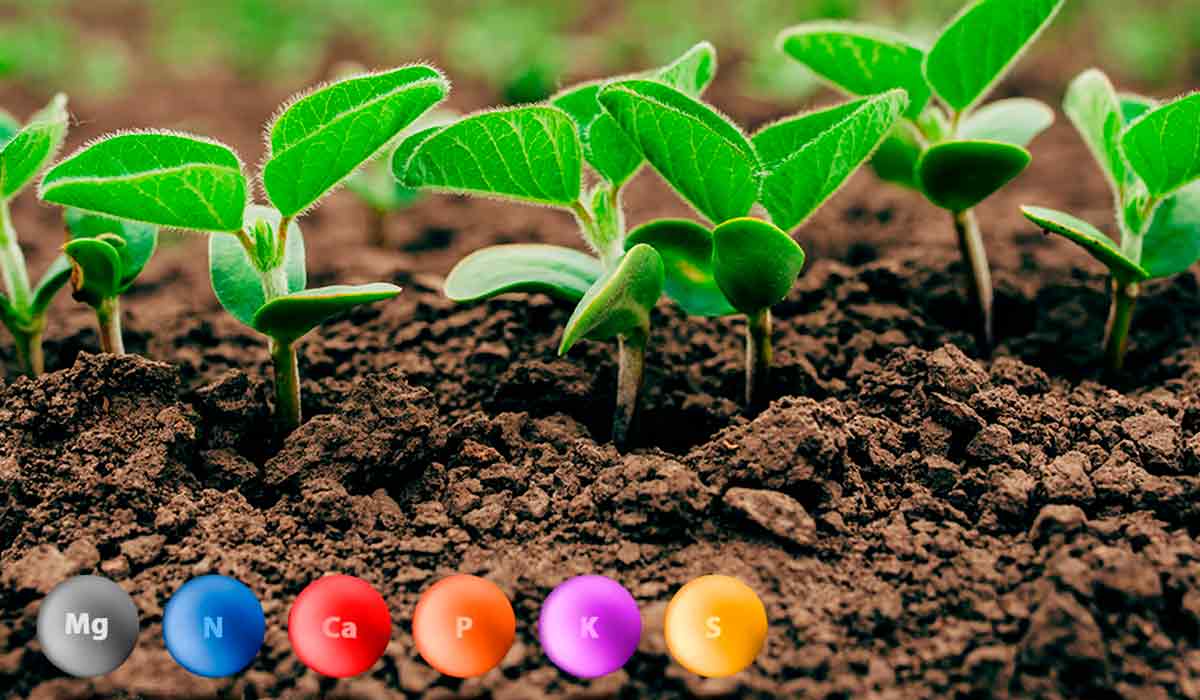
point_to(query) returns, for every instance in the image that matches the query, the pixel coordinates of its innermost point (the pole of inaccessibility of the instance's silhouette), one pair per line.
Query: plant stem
(979, 275)
(1116, 331)
(759, 354)
(378, 232)
(287, 386)
(632, 365)
(12, 263)
(108, 315)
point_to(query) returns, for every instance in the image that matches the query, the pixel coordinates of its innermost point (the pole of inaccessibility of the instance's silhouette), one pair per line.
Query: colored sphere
(87, 626)
(463, 626)
(213, 626)
(339, 626)
(590, 626)
(715, 626)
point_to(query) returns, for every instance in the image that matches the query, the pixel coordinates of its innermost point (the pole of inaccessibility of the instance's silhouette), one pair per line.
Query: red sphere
(339, 626)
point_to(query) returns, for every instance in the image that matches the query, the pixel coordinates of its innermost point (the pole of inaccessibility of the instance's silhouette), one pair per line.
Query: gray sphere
(87, 626)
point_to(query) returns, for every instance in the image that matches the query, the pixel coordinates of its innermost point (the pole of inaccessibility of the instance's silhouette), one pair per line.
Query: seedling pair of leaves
(256, 252)
(1150, 155)
(954, 151)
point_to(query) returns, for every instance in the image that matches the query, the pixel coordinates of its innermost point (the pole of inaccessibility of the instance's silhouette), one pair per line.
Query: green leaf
(155, 177)
(686, 249)
(1017, 121)
(1172, 243)
(692, 72)
(1092, 239)
(9, 126)
(1163, 146)
(1134, 106)
(860, 59)
(530, 154)
(375, 185)
(979, 46)
(95, 270)
(140, 240)
(560, 272)
(620, 302)
(755, 263)
(957, 175)
(235, 279)
(896, 159)
(52, 281)
(324, 136)
(1092, 106)
(696, 150)
(288, 318)
(31, 148)
(9, 315)
(808, 158)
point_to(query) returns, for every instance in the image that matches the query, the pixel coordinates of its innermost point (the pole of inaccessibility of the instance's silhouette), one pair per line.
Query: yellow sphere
(715, 626)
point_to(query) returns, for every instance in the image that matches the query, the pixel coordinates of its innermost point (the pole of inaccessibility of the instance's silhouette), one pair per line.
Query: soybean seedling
(24, 151)
(1150, 156)
(745, 265)
(256, 253)
(953, 151)
(535, 154)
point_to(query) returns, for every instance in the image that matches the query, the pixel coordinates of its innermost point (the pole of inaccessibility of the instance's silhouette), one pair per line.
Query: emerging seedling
(745, 265)
(957, 153)
(535, 154)
(24, 151)
(1150, 156)
(256, 257)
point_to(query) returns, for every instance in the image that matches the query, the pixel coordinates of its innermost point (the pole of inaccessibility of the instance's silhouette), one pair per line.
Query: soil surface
(920, 522)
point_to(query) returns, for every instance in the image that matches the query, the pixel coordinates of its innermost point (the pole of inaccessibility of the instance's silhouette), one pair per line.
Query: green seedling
(536, 154)
(256, 253)
(1150, 156)
(24, 151)
(744, 265)
(954, 151)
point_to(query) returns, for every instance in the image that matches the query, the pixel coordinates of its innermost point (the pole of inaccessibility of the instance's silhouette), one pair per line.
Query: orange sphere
(463, 626)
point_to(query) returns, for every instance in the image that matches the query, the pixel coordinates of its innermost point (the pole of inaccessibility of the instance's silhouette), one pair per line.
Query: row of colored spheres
(463, 626)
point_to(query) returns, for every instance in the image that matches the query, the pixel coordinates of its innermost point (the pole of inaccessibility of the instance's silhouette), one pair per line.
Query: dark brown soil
(919, 522)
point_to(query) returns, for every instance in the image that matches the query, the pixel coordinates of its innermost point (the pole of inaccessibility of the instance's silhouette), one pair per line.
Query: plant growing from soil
(256, 255)
(1150, 156)
(24, 151)
(956, 153)
(535, 154)
(745, 265)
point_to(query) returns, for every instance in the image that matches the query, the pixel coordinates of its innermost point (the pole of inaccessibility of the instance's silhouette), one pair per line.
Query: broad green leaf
(95, 270)
(1017, 121)
(560, 272)
(235, 279)
(979, 46)
(755, 263)
(9, 126)
(1092, 106)
(1134, 106)
(155, 177)
(526, 153)
(696, 150)
(620, 302)
(1172, 243)
(1092, 239)
(52, 280)
(957, 175)
(1163, 146)
(31, 148)
(860, 59)
(140, 240)
(686, 249)
(692, 72)
(323, 137)
(288, 318)
(896, 159)
(809, 158)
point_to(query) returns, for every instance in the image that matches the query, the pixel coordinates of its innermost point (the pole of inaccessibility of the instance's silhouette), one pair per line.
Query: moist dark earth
(920, 521)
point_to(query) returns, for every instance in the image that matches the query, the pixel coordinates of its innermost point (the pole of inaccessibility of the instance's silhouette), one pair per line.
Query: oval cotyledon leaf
(957, 175)
(1090, 238)
(620, 302)
(288, 318)
(562, 273)
(686, 249)
(755, 263)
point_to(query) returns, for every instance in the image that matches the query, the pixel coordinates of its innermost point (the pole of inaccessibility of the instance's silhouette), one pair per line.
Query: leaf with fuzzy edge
(139, 240)
(1017, 121)
(562, 273)
(620, 302)
(289, 318)
(530, 154)
(692, 72)
(686, 249)
(1090, 238)
(24, 155)
(755, 263)
(1172, 242)
(1092, 106)
(957, 175)
(859, 59)
(235, 279)
(154, 177)
(808, 158)
(701, 154)
(979, 46)
(1163, 146)
(323, 136)
(55, 277)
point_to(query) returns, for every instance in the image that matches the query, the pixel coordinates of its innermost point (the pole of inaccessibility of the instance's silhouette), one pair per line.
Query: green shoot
(954, 151)
(256, 252)
(1150, 156)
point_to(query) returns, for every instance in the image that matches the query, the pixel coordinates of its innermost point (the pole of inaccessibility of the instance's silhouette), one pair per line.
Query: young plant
(791, 167)
(1150, 156)
(535, 154)
(256, 255)
(956, 153)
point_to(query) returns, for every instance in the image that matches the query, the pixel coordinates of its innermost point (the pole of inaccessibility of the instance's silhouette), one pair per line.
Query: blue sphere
(213, 626)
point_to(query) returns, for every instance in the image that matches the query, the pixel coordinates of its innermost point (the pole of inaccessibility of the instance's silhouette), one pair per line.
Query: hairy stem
(108, 316)
(1116, 331)
(287, 386)
(12, 263)
(979, 275)
(632, 365)
(759, 354)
